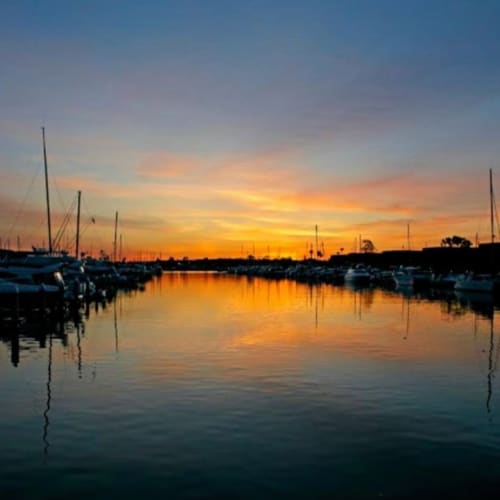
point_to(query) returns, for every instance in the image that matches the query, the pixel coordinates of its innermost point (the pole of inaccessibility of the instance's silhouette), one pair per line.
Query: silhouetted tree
(456, 242)
(367, 246)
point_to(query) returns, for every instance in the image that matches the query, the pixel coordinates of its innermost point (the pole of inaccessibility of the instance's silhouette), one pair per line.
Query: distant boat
(447, 280)
(472, 282)
(412, 276)
(358, 274)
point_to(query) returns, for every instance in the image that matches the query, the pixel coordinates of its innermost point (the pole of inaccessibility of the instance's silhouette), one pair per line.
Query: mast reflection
(115, 323)
(46, 421)
(492, 364)
(406, 302)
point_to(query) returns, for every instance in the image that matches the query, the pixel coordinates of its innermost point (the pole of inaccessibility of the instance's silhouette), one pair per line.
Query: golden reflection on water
(213, 333)
(238, 326)
(216, 325)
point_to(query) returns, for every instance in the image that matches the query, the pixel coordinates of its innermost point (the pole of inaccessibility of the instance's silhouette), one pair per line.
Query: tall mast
(116, 229)
(408, 236)
(317, 247)
(77, 246)
(47, 189)
(491, 209)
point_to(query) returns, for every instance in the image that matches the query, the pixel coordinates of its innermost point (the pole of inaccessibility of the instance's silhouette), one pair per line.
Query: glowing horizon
(253, 228)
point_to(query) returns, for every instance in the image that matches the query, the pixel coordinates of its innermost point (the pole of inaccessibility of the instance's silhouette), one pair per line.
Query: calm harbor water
(216, 386)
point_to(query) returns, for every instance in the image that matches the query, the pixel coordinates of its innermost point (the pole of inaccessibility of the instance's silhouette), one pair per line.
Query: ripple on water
(289, 392)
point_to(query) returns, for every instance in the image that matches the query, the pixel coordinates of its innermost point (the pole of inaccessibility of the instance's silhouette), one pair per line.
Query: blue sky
(225, 123)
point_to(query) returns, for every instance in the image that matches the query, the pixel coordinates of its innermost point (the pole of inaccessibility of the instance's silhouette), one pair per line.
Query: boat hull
(475, 284)
(23, 297)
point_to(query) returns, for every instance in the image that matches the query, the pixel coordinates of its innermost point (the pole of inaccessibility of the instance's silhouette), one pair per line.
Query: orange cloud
(215, 205)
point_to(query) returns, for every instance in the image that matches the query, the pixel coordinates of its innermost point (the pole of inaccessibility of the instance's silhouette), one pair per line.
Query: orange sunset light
(199, 212)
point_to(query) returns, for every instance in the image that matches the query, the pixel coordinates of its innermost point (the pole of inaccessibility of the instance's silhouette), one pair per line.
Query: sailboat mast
(116, 229)
(317, 247)
(47, 189)
(492, 209)
(77, 245)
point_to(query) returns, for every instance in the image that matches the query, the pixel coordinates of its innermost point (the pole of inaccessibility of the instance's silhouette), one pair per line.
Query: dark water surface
(213, 386)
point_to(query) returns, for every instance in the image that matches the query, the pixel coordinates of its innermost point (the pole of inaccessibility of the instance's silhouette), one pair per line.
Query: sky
(227, 128)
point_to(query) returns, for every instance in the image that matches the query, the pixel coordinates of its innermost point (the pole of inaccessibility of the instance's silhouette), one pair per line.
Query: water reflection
(46, 420)
(405, 304)
(79, 329)
(310, 377)
(480, 303)
(115, 324)
(31, 335)
(492, 364)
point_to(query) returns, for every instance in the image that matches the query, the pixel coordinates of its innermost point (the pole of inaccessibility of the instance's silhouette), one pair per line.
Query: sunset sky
(220, 128)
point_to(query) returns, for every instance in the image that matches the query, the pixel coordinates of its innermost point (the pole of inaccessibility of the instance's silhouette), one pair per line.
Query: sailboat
(472, 282)
(34, 281)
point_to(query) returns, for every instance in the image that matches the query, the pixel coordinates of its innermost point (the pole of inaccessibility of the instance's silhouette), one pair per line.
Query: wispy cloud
(162, 165)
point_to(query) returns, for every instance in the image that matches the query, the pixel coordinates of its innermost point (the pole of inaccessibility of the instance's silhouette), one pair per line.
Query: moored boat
(24, 294)
(412, 276)
(472, 282)
(357, 274)
(446, 280)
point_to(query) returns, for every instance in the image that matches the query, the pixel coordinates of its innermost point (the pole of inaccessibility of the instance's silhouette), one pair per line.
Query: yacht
(357, 274)
(413, 276)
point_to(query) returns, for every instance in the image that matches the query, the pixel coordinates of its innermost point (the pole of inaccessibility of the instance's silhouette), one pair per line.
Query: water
(213, 386)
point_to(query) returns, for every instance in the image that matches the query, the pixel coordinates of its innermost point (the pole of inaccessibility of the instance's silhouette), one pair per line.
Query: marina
(249, 250)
